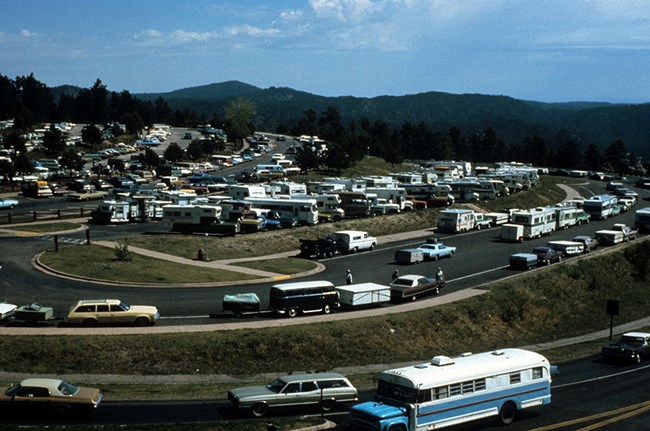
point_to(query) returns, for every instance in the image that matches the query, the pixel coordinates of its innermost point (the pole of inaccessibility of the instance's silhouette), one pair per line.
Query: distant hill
(585, 122)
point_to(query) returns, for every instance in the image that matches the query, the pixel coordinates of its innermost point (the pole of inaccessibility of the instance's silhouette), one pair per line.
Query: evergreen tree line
(30, 102)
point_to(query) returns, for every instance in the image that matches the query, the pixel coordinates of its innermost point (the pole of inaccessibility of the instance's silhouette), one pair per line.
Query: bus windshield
(396, 392)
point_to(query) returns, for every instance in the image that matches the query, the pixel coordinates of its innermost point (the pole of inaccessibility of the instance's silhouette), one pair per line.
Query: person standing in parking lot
(348, 277)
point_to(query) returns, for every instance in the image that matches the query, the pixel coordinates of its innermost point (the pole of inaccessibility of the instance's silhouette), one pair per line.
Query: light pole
(205, 248)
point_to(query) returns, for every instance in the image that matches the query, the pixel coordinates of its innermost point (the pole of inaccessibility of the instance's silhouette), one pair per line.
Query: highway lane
(588, 394)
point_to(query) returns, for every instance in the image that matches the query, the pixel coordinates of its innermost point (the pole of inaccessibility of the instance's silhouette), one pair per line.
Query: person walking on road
(440, 277)
(348, 277)
(395, 274)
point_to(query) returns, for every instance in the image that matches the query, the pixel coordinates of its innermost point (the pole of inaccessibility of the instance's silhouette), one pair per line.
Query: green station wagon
(320, 389)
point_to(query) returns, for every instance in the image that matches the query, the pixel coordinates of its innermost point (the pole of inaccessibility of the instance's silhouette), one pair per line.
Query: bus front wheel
(508, 413)
(399, 427)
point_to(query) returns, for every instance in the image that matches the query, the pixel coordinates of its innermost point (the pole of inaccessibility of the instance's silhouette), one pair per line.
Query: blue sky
(545, 50)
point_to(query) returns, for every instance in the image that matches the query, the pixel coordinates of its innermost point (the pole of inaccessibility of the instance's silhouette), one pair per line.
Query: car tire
(435, 257)
(327, 309)
(292, 312)
(327, 405)
(259, 409)
(90, 323)
(637, 358)
(141, 321)
(508, 413)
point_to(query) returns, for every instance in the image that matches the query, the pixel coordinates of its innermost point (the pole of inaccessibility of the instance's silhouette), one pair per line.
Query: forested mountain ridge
(584, 122)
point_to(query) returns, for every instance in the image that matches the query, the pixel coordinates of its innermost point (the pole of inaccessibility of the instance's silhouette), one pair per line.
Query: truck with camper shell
(352, 241)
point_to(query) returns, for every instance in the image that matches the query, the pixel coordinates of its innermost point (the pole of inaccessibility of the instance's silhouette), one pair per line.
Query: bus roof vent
(441, 361)
(466, 354)
(420, 366)
(498, 353)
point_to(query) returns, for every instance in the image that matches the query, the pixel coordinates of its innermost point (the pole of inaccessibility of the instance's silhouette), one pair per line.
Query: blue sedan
(436, 251)
(6, 203)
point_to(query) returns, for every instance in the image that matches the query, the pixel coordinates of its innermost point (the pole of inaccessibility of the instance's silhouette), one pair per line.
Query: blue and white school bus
(449, 391)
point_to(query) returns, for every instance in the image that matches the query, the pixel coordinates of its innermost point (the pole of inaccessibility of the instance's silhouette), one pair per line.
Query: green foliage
(174, 153)
(122, 252)
(239, 116)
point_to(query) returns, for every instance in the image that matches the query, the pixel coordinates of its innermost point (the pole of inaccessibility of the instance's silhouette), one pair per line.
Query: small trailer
(34, 313)
(241, 303)
(363, 294)
(523, 261)
(409, 256)
(319, 248)
(567, 248)
(512, 232)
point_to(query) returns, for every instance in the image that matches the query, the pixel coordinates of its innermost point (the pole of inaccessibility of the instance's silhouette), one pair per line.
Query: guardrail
(33, 216)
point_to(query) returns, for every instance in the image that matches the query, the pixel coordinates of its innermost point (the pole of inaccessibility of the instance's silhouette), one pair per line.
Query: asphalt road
(588, 394)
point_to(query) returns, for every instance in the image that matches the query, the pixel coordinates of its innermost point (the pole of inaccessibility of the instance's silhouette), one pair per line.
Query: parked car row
(88, 313)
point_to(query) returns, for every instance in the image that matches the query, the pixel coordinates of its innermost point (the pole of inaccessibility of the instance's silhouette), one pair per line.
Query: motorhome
(292, 211)
(600, 207)
(536, 222)
(319, 187)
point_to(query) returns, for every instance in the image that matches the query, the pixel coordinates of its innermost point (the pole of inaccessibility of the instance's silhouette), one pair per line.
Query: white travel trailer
(565, 216)
(318, 187)
(288, 188)
(329, 205)
(242, 191)
(456, 220)
(395, 195)
(536, 222)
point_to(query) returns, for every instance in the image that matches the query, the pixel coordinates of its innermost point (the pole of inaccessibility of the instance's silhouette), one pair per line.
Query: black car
(547, 255)
(631, 346)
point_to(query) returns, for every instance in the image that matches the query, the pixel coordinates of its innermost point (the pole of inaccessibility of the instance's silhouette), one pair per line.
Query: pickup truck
(352, 241)
(482, 222)
(629, 234)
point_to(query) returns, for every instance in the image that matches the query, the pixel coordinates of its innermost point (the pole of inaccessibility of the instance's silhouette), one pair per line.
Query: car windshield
(125, 307)
(276, 386)
(630, 340)
(67, 388)
(403, 282)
